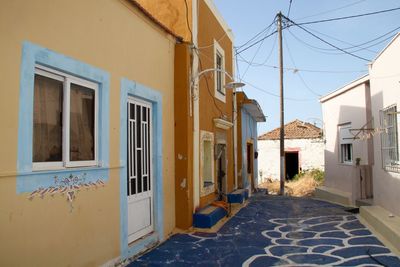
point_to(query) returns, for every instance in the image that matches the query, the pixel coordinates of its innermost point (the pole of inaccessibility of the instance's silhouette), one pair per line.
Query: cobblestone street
(274, 230)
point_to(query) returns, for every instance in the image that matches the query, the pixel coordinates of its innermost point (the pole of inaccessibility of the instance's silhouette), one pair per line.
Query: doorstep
(208, 216)
(238, 196)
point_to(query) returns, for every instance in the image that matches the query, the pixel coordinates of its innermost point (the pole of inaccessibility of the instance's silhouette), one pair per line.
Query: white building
(362, 145)
(304, 150)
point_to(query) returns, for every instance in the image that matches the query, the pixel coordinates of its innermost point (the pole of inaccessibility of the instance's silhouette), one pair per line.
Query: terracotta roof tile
(294, 130)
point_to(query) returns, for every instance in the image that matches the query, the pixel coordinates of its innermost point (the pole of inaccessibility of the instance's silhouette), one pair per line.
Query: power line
(290, 5)
(326, 42)
(326, 50)
(350, 17)
(359, 45)
(301, 69)
(276, 95)
(298, 73)
(254, 56)
(258, 34)
(331, 10)
(261, 40)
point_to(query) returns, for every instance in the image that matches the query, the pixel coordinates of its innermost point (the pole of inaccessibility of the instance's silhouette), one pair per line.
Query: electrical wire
(324, 41)
(298, 73)
(255, 64)
(258, 34)
(290, 5)
(331, 10)
(300, 69)
(349, 17)
(362, 44)
(276, 95)
(255, 54)
(326, 50)
(211, 45)
(253, 44)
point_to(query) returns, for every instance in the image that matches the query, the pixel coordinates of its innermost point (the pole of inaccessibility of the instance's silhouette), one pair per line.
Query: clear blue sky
(247, 18)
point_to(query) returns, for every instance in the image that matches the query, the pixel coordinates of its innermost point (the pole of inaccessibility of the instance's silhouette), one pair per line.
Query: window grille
(389, 139)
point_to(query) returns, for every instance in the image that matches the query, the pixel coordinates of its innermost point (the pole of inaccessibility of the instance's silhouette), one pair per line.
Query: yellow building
(205, 126)
(87, 163)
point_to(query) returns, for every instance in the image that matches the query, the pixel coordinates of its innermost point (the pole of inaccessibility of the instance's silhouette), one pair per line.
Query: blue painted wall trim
(27, 180)
(249, 131)
(133, 89)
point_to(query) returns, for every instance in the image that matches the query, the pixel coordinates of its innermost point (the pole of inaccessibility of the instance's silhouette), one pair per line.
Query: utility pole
(282, 132)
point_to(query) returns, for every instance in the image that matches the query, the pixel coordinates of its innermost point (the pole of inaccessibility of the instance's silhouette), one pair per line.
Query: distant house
(304, 150)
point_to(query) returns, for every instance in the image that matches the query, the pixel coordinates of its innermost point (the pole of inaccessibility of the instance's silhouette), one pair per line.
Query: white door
(139, 182)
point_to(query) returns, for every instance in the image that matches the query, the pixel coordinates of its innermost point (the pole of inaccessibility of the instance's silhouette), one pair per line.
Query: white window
(389, 140)
(219, 64)
(346, 143)
(64, 120)
(207, 163)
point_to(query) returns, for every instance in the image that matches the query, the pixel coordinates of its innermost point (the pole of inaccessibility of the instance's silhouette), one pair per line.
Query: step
(238, 196)
(364, 202)
(333, 195)
(208, 216)
(383, 222)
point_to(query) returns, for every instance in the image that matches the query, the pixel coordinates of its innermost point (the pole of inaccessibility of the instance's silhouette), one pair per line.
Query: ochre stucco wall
(115, 37)
(209, 30)
(171, 13)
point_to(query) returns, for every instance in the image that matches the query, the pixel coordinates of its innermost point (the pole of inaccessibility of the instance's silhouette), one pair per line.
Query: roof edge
(220, 19)
(384, 49)
(345, 88)
(156, 21)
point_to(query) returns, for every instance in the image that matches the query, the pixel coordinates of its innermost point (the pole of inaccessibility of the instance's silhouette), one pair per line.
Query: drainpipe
(196, 122)
(235, 116)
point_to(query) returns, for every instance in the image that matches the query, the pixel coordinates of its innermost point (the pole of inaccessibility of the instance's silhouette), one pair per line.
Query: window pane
(207, 162)
(47, 120)
(82, 112)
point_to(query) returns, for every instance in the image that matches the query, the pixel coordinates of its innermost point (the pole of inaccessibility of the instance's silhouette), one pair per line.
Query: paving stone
(359, 251)
(337, 234)
(282, 250)
(297, 220)
(322, 249)
(319, 259)
(263, 261)
(300, 235)
(360, 232)
(370, 240)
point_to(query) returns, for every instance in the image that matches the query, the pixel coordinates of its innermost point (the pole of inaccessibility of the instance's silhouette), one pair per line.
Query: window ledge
(63, 170)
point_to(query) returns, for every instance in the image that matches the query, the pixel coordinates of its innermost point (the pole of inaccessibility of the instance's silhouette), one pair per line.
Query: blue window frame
(28, 179)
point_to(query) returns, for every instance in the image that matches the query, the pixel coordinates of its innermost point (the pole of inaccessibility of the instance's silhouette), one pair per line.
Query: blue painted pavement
(275, 230)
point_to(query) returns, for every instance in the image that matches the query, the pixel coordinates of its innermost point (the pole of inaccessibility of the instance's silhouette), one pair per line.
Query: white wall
(349, 107)
(385, 91)
(311, 156)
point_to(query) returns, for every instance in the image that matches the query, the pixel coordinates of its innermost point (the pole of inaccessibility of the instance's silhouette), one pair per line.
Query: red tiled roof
(294, 130)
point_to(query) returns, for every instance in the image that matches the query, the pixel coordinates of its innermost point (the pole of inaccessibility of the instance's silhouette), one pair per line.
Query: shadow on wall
(349, 176)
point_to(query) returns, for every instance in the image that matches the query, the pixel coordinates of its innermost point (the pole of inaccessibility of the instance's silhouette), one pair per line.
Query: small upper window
(219, 65)
(64, 120)
(346, 144)
(389, 139)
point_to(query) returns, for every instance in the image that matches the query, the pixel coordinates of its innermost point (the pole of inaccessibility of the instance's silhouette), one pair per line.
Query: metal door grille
(139, 135)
